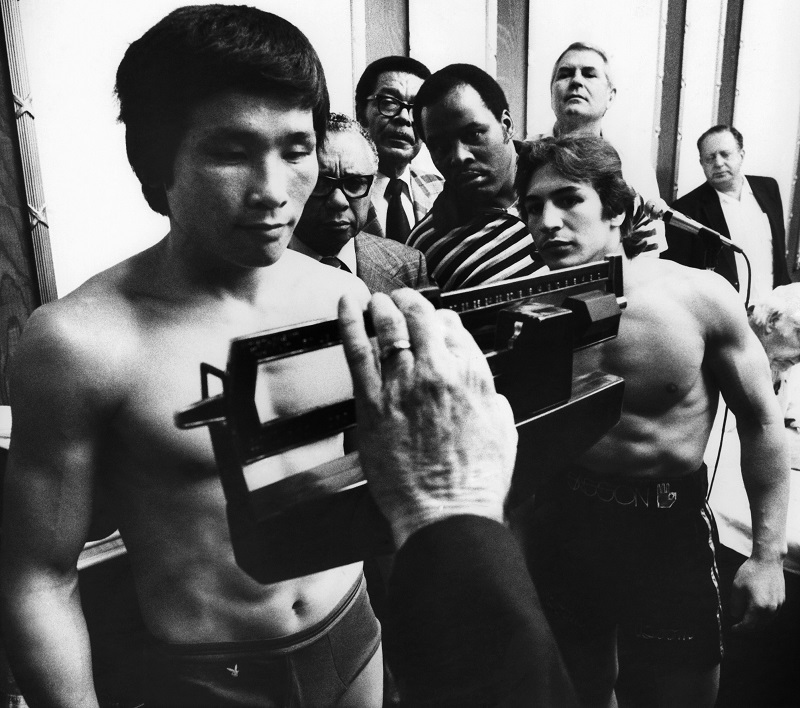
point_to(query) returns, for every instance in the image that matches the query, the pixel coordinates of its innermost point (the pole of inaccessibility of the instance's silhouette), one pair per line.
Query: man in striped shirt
(472, 235)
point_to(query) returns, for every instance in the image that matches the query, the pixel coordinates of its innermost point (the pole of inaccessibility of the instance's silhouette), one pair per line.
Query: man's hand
(757, 595)
(435, 438)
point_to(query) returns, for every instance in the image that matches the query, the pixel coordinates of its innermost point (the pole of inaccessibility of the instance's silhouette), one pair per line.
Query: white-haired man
(581, 92)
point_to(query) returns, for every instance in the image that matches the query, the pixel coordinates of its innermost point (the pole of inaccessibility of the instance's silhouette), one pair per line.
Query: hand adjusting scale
(324, 517)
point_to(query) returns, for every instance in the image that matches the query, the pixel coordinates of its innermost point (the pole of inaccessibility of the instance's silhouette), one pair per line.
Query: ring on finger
(395, 347)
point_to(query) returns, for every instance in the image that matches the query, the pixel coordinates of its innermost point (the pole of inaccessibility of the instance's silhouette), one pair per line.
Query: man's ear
(617, 219)
(612, 92)
(772, 320)
(507, 124)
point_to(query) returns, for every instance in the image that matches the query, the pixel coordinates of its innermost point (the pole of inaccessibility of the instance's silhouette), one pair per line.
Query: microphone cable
(725, 414)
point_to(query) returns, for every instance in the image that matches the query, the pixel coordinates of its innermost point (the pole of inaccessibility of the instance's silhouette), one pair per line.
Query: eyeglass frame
(401, 105)
(337, 183)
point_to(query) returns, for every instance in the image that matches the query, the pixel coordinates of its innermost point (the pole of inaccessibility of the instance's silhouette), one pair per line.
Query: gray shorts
(309, 669)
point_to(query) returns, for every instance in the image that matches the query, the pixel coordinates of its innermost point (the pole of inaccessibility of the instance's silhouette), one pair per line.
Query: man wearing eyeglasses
(746, 209)
(401, 194)
(330, 228)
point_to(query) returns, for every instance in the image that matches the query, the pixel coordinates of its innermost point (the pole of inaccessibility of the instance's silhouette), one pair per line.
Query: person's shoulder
(658, 274)
(99, 303)
(700, 192)
(75, 342)
(318, 281)
(534, 138)
(389, 246)
(427, 230)
(425, 186)
(704, 293)
(97, 318)
(762, 181)
(433, 179)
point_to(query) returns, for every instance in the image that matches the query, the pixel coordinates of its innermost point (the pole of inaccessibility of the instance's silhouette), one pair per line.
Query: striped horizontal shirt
(490, 247)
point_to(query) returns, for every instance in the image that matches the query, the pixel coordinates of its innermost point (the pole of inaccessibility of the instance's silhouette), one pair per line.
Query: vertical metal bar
(29, 150)
(730, 62)
(672, 99)
(512, 59)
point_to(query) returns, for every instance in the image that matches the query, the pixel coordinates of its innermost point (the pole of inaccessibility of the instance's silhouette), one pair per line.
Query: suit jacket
(702, 204)
(464, 625)
(425, 189)
(385, 265)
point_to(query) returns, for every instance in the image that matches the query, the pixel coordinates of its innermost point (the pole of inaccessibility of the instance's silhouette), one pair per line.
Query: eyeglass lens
(353, 186)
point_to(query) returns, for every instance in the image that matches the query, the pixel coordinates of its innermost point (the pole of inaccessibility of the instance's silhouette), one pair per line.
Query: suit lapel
(713, 216)
(373, 267)
(774, 211)
(373, 226)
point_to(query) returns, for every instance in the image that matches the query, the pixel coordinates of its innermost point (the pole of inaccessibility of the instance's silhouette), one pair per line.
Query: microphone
(660, 210)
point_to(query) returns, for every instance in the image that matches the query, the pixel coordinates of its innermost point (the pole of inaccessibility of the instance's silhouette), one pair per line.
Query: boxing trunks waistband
(277, 646)
(673, 493)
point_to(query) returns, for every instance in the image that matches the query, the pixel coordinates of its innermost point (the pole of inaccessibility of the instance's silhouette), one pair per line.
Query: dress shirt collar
(746, 188)
(382, 181)
(347, 255)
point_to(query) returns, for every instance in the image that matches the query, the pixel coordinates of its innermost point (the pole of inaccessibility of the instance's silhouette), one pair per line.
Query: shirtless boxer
(223, 107)
(621, 543)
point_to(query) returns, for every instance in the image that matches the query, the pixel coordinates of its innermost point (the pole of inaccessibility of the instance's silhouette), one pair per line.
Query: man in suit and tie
(401, 194)
(331, 227)
(744, 208)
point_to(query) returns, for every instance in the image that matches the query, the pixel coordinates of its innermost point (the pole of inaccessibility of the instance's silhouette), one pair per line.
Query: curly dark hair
(198, 51)
(366, 84)
(445, 80)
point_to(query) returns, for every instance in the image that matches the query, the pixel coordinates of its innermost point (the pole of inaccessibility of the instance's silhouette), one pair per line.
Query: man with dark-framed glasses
(401, 194)
(330, 228)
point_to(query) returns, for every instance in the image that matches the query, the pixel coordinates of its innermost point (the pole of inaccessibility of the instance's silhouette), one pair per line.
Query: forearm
(765, 472)
(48, 645)
(464, 622)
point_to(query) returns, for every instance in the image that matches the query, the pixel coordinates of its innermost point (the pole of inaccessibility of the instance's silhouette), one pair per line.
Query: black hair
(190, 55)
(582, 158)
(369, 78)
(445, 80)
(737, 136)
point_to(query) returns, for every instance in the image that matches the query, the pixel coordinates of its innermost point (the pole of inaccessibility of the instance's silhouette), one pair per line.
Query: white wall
(702, 60)
(98, 217)
(767, 103)
(443, 32)
(767, 108)
(95, 210)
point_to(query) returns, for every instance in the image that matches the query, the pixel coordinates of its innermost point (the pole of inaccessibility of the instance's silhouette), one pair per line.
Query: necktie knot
(397, 226)
(394, 188)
